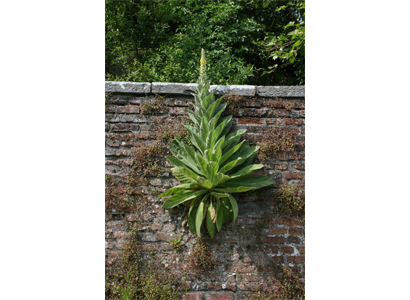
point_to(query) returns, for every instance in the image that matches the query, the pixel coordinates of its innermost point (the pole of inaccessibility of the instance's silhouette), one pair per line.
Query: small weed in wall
(202, 259)
(153, 105)
(290, 198)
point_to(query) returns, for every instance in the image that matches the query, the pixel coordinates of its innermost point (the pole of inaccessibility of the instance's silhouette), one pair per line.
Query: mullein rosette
(215, 165)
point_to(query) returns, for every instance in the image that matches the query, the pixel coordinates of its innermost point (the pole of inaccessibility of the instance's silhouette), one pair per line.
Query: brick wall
(245, 255)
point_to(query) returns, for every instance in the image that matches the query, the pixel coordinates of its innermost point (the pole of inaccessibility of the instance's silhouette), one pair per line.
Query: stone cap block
(127, 87)
(189, 89)
(241, 90)
(173, 88)
(280, 91)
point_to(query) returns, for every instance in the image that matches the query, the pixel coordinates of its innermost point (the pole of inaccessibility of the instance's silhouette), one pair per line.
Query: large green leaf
(181, 197)
(216, 116)
(247, 162)
(216, 155)
(219, 178)
(191, 219)
(226, 209)
(234, 209)
(189, 173)
(176, 162)
(177, 188)
(219, 215)
(182, 163)
(239, 189)
(228, 166)
(212, 169)
(232, 136)
(203, 165)
(230, 153)
(246, 170)
(205, 183)
(199, 218)
(210, 225)
(194, 118)
(242, 155)
(176, 149)
(181, 176)
(227, 127)
(249, 180)
(192, 214)
(219, 195)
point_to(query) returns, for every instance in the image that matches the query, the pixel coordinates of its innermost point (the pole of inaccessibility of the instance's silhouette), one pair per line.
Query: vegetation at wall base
(217, 165)
(286, 284)
(133, 276)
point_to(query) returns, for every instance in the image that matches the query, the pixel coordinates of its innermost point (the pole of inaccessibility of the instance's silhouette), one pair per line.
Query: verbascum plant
(214, 166)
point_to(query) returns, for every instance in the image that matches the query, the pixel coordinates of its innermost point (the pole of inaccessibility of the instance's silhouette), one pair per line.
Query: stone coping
(189, 88)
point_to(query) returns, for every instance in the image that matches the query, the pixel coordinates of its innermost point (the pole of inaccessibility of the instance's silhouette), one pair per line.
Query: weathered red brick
(113, 143)
(277, 259)
(144, 135)
(174, 111)
(292, 121)
(120, 136)
(120, 235)
(290, 222)
(301, 250)
(295, 231)
(219, 296)
(299, 166)
(164, 236)
(241, 268)
(275, 221)
(271, 249)
(250, 121)
(294, 175)
(271, 240)
(192, 296)
(286, 250)
(149, 247)
(129, 109)
(125, 127)
(111, 108)
(277, 230)
(214, 286)
(231, 287)
(293, 239)
(296, 259)
(279, 113)
(281, 166)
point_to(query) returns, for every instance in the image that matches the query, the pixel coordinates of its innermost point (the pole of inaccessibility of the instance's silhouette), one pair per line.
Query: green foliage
(288, 47)
(158, 40)
(132, 276)
(216, 165)
(287, 285)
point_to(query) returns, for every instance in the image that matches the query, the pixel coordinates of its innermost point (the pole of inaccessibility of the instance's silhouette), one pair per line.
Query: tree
(159, 40)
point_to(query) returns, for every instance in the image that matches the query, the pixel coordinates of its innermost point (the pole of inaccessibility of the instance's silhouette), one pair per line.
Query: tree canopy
(247, 41)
